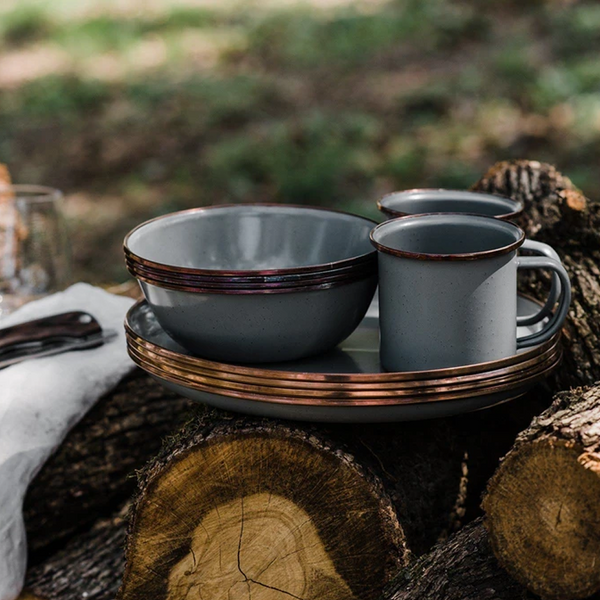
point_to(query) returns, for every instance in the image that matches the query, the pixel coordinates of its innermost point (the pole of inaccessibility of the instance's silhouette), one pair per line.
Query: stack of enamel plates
(343, 385)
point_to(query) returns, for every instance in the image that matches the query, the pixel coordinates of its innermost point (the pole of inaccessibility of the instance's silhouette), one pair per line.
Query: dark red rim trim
(242, 273)
(393, 213)
(446, 257)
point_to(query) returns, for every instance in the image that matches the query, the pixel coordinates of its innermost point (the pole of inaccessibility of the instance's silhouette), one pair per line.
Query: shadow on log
(90, 566)
(90, 474)
(464, 568)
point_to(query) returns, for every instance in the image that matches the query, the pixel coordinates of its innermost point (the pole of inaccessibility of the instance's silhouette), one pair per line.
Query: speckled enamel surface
(436, 312)
(261, 327)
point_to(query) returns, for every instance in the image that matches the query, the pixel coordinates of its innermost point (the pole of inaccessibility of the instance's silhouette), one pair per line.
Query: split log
(542, 505)
(89, 566)
(463, 568)
(559, 214)
(251, 507)
(90, 474)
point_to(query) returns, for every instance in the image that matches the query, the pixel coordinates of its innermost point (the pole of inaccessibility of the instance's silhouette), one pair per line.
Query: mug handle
(542, 249)
(558, 317)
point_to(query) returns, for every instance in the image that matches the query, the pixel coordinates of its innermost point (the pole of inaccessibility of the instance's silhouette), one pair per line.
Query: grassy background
(135, 108)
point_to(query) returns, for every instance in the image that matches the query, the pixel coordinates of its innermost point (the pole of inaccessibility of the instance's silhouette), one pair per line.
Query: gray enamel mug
(422, 201)
(448, 290)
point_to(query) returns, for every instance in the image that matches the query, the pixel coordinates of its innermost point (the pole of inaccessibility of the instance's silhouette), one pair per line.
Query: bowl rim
(245, 272)
(348, 272)
(283, 288)
(393, 213)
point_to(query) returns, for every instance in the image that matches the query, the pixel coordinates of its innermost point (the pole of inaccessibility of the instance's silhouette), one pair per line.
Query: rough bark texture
(89, 566)
(558, 214)
(463, 568)
(542, 505)
(432, 472)
(422, 478)
(91, 472)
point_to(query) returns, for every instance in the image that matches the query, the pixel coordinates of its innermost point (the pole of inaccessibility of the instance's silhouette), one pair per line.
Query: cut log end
(574, 200)
(535, 539)
(259, 545)
(248, 516)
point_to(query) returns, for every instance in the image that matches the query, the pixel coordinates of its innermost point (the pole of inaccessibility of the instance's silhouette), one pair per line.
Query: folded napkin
(40, 401)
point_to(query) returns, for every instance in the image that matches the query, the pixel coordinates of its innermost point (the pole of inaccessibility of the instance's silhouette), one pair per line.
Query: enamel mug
(421, 201)
(448, 290)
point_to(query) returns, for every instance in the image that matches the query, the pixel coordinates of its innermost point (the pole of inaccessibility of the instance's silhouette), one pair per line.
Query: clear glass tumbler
(35, 257)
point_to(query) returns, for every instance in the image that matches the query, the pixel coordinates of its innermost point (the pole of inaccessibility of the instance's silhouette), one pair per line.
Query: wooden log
(89, 566)
(559, 214)
(243, 506)
(91, 472)
(414, 481)
(473, 444)
(60, 576)
(542, 506)
(463, 568)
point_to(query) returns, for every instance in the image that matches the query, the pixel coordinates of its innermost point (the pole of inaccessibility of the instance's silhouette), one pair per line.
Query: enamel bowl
(255, 283)
(251, 241)
(261, 327)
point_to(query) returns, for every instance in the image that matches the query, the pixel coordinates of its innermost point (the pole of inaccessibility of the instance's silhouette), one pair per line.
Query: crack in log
(558, 520)
(249, 580)
(194, 566)
(270, 587)
(378, 459)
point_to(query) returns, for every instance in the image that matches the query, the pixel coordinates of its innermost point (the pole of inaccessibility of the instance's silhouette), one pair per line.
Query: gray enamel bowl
(261, 327)
(421, 201)
(251, 240)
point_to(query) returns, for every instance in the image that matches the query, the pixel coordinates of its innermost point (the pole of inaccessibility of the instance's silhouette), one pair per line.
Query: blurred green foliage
(148, 112)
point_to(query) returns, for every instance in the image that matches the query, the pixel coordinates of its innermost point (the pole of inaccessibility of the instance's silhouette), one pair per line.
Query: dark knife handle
(75, 324)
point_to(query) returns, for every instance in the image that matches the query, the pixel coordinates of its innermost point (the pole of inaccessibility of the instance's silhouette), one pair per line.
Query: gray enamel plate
(358, 354)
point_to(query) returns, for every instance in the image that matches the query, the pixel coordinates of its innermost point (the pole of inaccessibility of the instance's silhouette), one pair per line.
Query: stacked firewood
(235, 507)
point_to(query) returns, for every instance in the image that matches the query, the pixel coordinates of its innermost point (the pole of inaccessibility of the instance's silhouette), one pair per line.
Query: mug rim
(447, 257)
(393, 213)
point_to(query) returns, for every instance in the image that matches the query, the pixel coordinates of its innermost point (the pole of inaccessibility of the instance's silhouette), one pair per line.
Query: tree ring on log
(544, 503)
(248, 515)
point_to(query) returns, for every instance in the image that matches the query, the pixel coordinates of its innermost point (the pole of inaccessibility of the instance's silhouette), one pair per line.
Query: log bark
(444, 479)
(89, 566)
(542, 505)
(463, 568)
(559, 214)
(229, 500)
(90, 474)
